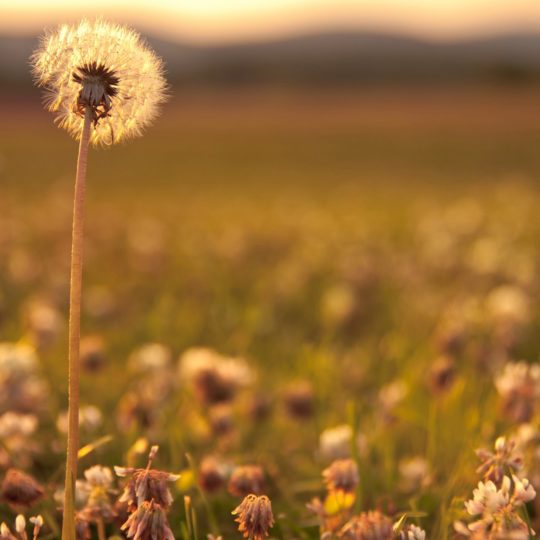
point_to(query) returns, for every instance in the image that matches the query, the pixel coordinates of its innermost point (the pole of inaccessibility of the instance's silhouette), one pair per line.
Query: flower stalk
(75, 295)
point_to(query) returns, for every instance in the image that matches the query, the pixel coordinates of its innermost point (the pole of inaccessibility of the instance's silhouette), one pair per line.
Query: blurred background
(334, 90)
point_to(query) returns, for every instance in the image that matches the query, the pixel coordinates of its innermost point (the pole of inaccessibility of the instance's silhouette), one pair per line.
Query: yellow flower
(102, 67)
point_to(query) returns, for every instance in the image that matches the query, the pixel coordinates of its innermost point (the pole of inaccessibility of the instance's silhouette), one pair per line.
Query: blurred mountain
(327, 58)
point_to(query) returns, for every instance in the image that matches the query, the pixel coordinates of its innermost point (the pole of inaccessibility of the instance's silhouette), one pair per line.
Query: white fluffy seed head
(133, 73)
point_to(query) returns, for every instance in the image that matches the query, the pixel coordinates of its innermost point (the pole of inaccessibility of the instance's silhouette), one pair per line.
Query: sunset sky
(226, 20)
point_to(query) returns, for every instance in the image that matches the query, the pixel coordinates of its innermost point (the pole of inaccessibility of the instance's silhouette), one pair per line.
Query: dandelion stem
(68, 525)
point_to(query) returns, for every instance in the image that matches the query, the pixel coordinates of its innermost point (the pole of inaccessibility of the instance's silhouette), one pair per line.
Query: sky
(237, 20)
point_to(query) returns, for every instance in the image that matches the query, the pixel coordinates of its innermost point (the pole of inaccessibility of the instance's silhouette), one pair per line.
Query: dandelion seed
(106, 68)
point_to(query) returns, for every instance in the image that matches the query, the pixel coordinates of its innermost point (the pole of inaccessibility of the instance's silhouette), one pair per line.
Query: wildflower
(519, 386)
(37, 521)
(414, 473)
(15, 425)
(82, 527)
(335, 443)
(90, 418)
(98, 488)
(221, 419)
(5, 533)
(93, 355)
(259, 407)
(496, 464)
(20, 489)
(146, 485)
(509, 304)
(254, 516)
(441, 375)
(497, 508)
(148, 522)
(44, 321)
(372, 525)
(21, 388)
(150, 357)
(390, 397)
(215, 378)
(246, 479)
(412, 532)
(341, 475)
(103, 67)
(300, 400)
(212, 474)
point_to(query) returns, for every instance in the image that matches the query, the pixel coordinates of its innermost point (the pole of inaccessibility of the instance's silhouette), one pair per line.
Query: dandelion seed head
(105, 67)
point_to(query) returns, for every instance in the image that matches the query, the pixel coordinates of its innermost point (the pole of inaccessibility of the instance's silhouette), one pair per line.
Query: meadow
(356, 271)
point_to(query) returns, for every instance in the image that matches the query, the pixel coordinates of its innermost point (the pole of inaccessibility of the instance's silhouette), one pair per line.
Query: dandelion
(103, 71)
(104, 85)
(254, 516)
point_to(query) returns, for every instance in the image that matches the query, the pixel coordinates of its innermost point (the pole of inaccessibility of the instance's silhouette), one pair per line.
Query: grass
(242, 222)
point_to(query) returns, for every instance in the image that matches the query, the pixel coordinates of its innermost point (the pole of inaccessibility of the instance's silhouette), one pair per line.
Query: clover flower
(496, 464)
(20, 489)
(254, 516)
(146, 484)
(148, 522)
(335, 443)
(498, 508)
(20, 528)
(519, 387)
(215, 378)
(341, 475)
(106, 68)
(372, 525)
(246, 479)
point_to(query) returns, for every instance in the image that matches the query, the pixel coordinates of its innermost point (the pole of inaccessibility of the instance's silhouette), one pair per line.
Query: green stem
(68, 525)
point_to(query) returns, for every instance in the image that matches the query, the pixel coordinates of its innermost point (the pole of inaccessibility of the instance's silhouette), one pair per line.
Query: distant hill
(325, 58)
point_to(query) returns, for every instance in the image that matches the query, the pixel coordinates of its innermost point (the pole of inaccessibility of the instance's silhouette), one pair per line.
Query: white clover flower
(523, 491)
(17, 425)
(104, 68)
(519, 377)
(335, 443)
(415, 533)
(487, 499)
(98, 476)
(150, 357)
(17, 358)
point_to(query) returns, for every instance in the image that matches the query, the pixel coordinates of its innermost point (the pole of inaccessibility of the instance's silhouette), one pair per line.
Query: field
(365, 259)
